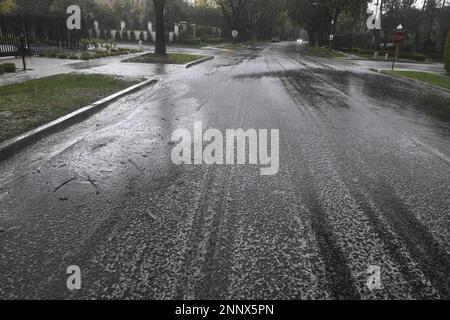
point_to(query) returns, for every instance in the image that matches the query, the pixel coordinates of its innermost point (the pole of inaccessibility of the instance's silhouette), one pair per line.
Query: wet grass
(324, 52)
(442, 81)
(197, 45)
(368, 56)
(170, 58)
(26, 106)
(242, 45)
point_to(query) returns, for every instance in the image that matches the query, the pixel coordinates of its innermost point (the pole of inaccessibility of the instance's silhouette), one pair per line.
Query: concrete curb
(11, 146)
(405, 79)
(194, 63)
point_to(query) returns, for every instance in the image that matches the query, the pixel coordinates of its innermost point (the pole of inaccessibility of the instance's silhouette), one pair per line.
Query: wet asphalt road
(364, 180)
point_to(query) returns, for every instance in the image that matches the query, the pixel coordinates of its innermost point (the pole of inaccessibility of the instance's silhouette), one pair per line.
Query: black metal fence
(29, 34)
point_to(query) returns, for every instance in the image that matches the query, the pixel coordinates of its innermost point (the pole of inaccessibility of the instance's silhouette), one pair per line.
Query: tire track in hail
(341, 284)
(196, 243)
(422, 248)
(199, 256)
(338, 276)
(407, 229)
(218, 257)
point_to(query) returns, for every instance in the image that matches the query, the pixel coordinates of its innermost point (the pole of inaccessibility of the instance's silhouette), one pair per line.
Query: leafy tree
(204, 15)
(235, 13)
(316, 15)
(176, 10)
(6, 6)
(128, 12)
(106, 17)
(254, 19)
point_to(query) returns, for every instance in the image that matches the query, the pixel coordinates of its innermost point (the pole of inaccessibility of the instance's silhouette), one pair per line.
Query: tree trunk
(160, 42)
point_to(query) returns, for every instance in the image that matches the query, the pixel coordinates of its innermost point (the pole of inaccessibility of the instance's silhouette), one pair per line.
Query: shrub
(204, 31)
(2, 71)
(51, 53)
(96, 43)
(213, 40)
(108, 45)
(73, 56)
(117, 36)
(9, 67)
(85, 55)
(62, 56)
(85, 43)
(99, 55)
(402, 54)
(191, 41)
(447, 53)
(406, 55)
(413, 56)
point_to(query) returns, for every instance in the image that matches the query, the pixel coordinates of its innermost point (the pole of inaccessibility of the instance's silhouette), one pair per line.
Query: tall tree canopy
(6, 6)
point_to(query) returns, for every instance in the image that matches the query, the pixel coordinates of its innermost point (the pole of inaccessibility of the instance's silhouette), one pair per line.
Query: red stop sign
(399, 36)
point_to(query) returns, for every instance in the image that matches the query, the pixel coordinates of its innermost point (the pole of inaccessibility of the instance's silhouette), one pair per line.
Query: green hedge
(190, 41)
(85, 55)
(8, 67)
(2, 71)
(213, 40)
(447, 53)
(402, 55)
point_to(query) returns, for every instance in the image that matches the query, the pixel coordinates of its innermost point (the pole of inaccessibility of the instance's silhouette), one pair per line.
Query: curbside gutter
(194, 63)
(11, 146)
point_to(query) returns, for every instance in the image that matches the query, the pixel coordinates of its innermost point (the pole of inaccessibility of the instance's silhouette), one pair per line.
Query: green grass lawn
(28, 105)
(368, 56)
(197, 45)
(430, 78)
(323, 52)
(242, 45)
(170, 58)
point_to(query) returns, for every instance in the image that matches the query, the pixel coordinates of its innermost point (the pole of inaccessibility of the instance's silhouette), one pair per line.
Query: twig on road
(136, 166)
(97, 189)
(64, 183)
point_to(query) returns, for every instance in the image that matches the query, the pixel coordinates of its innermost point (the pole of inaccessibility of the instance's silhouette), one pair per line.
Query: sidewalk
(437, 68)
(38, 67)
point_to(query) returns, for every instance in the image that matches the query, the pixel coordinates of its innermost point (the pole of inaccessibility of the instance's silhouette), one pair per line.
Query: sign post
(399, 35)
(23, 50)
